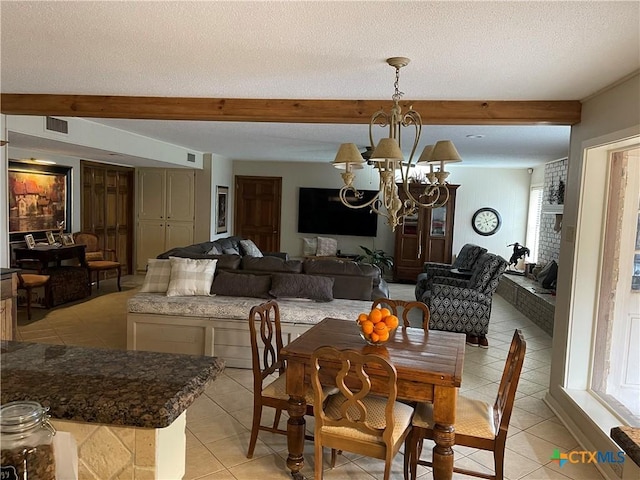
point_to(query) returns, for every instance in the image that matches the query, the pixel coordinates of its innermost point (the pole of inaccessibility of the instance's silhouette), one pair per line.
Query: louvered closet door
(107, 208)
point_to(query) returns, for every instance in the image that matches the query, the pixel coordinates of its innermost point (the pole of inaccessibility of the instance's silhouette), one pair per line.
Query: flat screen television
(320, 211)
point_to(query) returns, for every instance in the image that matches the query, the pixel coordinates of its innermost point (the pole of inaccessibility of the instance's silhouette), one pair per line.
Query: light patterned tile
(555, 433)
(515, 465)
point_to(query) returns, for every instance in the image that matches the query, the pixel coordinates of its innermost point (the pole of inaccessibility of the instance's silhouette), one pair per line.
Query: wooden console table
(51, 254)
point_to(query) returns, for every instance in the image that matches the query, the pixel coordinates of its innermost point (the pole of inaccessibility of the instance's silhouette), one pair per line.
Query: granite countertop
(97, 385)
(629, 440)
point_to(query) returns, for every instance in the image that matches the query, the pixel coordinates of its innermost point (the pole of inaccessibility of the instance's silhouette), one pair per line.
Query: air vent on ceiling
(191, 157)
(57, 125)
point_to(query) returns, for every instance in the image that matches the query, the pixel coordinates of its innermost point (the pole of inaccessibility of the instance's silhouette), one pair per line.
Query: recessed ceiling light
(475, 136)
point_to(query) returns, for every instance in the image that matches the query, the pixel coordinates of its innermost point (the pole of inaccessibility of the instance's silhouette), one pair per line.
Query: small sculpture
(519, 251)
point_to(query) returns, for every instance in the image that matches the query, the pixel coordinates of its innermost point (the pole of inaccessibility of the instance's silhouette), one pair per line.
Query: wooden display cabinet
(426, 236)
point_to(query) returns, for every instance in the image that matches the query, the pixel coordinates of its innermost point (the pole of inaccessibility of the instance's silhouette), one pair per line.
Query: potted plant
(377, 258)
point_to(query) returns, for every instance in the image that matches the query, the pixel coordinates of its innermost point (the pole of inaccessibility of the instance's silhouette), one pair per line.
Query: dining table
(429, 366)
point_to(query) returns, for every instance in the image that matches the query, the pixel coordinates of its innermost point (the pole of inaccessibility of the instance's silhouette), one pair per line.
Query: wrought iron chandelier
(388, 159)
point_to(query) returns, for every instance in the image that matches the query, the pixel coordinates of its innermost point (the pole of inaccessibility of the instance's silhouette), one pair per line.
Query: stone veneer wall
(549, 246)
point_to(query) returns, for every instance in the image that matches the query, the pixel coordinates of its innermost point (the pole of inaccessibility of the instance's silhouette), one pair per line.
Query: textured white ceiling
(320, 50)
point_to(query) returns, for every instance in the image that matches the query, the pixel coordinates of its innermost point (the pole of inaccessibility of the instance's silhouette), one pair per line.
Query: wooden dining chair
(354, 419)
(266, 343)
(404, 306)
(478, 424)
(96, 257)
(29, 281)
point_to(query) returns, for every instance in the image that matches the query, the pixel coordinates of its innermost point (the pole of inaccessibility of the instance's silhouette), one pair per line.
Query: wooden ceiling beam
(433, 112)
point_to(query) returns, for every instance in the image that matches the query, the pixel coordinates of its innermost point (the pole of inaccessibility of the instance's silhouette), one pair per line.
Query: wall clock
(486, 221)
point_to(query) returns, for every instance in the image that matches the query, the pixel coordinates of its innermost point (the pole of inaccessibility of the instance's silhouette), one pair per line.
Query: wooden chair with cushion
(354, 419)
(404, 306)
(96, 257)
(478, 424)
(266, 343)
(29, 281)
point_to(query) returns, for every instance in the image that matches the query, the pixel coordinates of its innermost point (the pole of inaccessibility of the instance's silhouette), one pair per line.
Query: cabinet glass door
(410, 224)
(439, 221)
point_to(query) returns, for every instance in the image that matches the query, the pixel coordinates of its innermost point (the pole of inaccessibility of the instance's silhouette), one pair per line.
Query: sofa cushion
(190, 277)
(314, 287)
(250, 248)
(215, 250)
(241, 285)
(271, 264)
(352, 287)
(339, 267)
(157, 277)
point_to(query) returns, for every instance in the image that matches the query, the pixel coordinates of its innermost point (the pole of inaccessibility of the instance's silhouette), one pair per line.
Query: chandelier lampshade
(389, 160)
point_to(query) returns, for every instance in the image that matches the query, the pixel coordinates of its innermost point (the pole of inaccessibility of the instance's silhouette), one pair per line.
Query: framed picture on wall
(222, 196)
(39, 198)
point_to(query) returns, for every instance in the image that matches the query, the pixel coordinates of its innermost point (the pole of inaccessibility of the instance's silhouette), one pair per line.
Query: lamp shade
(444, 152)
(425, 157)
(348, 155)
(387, 149)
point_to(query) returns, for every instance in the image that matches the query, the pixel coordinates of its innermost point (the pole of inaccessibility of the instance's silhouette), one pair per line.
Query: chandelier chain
(397, 94)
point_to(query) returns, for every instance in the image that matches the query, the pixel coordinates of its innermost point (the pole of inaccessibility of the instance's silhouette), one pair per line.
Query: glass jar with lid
(26, 439)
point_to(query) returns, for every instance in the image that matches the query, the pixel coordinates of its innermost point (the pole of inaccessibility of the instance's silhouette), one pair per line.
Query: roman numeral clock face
(486, 221)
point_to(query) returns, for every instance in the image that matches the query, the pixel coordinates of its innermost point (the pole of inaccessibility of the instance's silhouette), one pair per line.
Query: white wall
(610, 116)
(94, 135)
(506, 190)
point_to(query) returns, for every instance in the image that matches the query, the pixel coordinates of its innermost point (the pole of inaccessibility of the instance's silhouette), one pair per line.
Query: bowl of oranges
(377, 326)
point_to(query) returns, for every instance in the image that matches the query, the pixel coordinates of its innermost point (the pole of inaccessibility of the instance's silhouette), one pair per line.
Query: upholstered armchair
(464, 305)
(465, 260)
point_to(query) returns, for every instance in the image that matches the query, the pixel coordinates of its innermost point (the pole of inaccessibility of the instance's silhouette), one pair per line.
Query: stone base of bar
(109, 452)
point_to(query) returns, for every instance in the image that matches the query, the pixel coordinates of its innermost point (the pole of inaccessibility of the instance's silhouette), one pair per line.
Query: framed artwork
(50, 238)
(31, 243)
(39, 198)
(67, 239)
(222, 196)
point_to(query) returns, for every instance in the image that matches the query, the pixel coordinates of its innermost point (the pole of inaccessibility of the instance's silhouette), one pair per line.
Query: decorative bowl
(377, 327)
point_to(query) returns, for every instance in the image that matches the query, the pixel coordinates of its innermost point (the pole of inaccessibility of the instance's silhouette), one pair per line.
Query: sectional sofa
(216, 323)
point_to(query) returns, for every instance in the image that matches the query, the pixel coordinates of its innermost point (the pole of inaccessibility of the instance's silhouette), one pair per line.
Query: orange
(391, 321)
(380, 327)
(376, 315)
(383, 335)
(375, 338)
(385, 312)
(367, 327)
(363, 317)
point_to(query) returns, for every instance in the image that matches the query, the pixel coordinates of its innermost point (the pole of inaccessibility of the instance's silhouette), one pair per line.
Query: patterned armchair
(464, 305)
(466, 259)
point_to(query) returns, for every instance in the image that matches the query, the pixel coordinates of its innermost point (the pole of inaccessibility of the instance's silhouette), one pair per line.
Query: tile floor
(219, 421)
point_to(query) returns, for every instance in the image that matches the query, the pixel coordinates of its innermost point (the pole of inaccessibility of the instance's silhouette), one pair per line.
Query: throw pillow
(250, 248)
(158, 275)
(214, 251)
(309, 246)
(313, 287)
(230, 251)
(327, 247)
(241, 285)
(190, 277)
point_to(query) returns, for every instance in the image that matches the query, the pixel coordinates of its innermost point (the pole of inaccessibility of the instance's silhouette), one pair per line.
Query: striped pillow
(190, 277)
(158, 275)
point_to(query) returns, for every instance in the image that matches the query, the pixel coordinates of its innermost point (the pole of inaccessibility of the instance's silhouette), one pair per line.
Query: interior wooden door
(107, 208)
(257, 210)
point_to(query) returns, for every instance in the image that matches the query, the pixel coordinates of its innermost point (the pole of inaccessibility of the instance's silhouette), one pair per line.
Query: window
(533, 222)
(615, 373)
